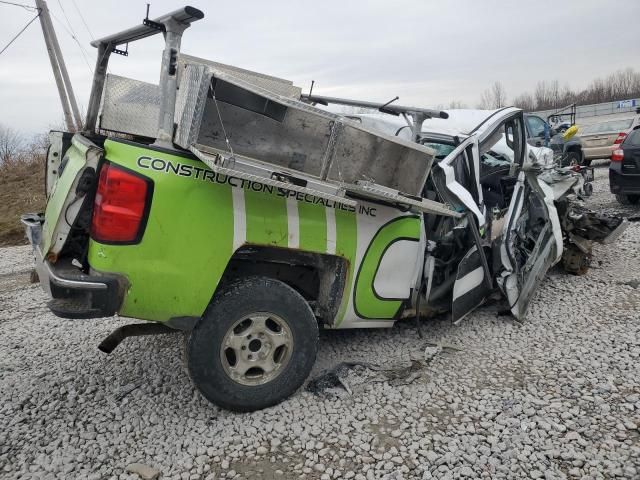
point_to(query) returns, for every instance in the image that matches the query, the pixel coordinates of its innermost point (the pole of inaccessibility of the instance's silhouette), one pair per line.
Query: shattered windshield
(442, 144)
(495, 159)
(442, 149)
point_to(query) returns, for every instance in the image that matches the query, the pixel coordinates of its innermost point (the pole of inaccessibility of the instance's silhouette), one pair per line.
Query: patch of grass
(21, 191)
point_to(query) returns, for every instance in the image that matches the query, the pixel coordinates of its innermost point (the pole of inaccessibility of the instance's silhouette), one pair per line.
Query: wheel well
(319, 278)
(574, 148)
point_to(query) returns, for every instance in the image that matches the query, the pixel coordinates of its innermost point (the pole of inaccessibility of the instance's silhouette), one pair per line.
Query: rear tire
(628, 199)
(254, 346)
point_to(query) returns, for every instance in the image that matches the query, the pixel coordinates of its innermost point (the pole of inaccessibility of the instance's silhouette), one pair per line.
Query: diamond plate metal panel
(280, 86)
(228, 114)
(190, 102)
(130, 106)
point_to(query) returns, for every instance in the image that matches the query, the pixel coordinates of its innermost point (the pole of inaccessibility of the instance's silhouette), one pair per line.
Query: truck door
(531, 241)
(458, 180)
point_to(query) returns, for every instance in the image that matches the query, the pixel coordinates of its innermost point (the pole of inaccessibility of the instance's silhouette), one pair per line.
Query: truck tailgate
(76, 178)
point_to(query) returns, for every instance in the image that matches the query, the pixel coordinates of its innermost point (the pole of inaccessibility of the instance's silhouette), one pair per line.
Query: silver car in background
(600, 139)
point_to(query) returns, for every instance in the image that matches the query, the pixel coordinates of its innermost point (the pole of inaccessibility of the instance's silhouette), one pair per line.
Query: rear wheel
(255, 345)
(628, 199)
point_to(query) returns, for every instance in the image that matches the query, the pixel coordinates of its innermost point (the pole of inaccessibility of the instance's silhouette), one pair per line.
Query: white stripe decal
(293, 223)
(239, 218)
(476, 166)
(467, 283)
(331, 230)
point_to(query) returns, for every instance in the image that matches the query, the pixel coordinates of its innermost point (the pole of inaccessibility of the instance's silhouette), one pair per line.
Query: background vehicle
(599, 139)
(624, 169)
(563, 118)
(539, 134)
(561, 127)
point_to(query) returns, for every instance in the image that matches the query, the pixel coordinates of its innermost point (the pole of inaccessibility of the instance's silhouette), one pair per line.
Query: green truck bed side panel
(186, 246)
(313, 227)
(346, 244)
(266, 218)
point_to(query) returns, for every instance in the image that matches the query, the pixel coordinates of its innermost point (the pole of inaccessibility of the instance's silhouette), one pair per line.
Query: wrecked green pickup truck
(223, 203)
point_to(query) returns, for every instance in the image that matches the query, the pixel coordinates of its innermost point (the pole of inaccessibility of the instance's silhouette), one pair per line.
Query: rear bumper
(597, 152)
(623, 183)
(73, 293)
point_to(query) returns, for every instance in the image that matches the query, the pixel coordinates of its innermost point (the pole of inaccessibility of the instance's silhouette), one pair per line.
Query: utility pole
(65, 90)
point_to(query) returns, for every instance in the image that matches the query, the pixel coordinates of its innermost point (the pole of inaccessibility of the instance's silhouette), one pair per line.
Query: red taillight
(620, 139)
(617, 155)
(119, 207)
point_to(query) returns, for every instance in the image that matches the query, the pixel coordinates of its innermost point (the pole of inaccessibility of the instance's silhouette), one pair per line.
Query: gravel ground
(555, 397)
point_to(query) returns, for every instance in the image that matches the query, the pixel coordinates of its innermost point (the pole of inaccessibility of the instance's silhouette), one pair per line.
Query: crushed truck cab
(225, 203)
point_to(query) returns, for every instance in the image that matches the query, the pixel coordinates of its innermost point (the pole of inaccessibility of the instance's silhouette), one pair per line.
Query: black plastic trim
(169, 151)
(100, 303)
(487, 119)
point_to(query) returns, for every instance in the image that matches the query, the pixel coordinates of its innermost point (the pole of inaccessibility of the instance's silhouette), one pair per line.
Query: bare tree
(554, 92)
(486, 100)
(620, 85)
(453, 104)
(36, 146)
(11, 143)
(525, 102)
(566, 95)
(499, 95)
(493, 97)
(542, 95)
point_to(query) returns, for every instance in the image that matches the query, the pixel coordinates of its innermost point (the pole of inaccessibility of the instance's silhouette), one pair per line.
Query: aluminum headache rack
(259, 127)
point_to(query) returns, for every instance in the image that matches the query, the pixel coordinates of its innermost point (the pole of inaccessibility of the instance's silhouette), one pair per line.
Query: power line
(26, 7)
(83, 20)
(74, 37)
(19, 33)
(65, 16)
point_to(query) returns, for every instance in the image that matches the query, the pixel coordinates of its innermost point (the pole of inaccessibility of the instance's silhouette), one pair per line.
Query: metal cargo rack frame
(259, 127)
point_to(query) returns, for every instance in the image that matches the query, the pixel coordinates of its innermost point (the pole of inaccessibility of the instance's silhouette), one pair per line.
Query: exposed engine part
(581, 227)
(580, 221)
(575, 260)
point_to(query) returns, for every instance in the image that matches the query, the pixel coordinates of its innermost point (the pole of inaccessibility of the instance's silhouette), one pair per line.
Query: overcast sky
(426, 52)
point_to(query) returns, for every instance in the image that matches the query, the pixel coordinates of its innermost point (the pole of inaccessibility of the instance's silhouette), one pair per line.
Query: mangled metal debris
(354, 375)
